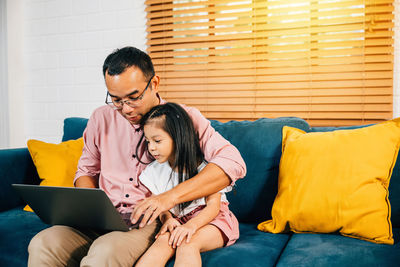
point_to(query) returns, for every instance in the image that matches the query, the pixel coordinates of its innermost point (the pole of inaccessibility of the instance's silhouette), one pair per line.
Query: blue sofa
(260, 145)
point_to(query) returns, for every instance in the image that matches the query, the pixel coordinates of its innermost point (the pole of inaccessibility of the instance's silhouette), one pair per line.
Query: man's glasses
(133, 102)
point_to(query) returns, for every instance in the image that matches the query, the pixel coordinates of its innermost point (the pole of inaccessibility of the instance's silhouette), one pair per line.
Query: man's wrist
(86, 182)
(172, 197)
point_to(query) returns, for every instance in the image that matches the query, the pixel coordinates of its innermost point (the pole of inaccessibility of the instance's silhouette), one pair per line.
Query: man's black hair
(121, 59)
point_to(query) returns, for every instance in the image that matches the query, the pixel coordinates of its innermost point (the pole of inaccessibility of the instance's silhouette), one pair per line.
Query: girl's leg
(158, 253)
(207, 238)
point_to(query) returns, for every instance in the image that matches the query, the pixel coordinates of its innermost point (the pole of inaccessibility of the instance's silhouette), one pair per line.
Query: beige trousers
(67, 246)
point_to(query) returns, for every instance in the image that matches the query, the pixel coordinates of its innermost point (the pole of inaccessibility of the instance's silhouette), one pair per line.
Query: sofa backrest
(16, 167)
(73, 128)
(259, 143)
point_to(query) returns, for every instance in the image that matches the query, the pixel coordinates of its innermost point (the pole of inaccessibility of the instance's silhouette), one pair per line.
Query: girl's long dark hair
(174, 120)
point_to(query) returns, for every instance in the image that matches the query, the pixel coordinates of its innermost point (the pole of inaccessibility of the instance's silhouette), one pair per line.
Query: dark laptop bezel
(72, 206)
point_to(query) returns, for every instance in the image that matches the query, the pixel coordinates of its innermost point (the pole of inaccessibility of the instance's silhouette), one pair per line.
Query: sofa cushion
(259, 143)
(56, 164)
(337, 181)
(394, 186)
(17, 227)
(335, 250)
(254, 248)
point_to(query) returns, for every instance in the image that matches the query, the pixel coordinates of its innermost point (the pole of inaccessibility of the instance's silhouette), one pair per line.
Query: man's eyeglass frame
(130, 102)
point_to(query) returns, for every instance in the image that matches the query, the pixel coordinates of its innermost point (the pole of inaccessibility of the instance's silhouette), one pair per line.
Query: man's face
(129, 85)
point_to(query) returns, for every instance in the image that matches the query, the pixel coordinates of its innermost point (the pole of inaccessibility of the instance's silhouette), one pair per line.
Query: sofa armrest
(16, 166)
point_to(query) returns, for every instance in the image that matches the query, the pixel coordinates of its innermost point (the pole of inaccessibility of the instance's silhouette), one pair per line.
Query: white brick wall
(65, 44)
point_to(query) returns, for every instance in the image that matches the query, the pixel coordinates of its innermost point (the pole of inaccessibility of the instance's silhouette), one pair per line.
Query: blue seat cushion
(254, 248)
(336, 250)
(17, 227)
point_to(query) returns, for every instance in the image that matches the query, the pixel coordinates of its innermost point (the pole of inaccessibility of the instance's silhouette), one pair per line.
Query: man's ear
(155, 82)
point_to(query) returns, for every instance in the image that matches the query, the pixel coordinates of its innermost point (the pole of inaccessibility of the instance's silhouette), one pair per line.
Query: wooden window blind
(329, 62)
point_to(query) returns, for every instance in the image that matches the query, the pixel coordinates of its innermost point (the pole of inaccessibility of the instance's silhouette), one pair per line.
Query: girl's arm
(205, 216)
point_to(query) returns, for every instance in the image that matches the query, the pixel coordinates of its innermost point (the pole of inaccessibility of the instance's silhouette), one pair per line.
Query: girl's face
(160, 143)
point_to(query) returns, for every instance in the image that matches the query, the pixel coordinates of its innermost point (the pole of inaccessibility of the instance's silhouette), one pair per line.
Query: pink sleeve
(216, 148)
(89, 162)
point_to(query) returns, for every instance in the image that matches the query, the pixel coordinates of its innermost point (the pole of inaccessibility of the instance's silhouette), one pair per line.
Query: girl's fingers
(188, 237)
(174, 240)
(177, 237)
(171, 238)
(180, 239)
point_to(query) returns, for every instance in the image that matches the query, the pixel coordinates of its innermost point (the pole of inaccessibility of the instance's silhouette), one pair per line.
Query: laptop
(75, 207)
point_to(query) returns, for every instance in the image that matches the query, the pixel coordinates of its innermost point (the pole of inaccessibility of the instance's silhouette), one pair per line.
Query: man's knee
(108, 250)
(105, 246)
(58, 246)
(44, 239)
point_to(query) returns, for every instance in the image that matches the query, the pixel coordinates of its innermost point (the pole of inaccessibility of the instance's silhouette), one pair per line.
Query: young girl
(192, 227)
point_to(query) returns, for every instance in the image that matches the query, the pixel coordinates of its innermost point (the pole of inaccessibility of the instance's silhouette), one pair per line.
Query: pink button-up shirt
(109, 154)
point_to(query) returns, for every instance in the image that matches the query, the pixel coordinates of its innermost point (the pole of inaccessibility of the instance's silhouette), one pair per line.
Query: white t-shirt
(159, 177)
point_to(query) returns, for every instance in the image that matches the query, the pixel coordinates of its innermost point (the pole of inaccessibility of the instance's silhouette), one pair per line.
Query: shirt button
(131, 179)
(127, 195)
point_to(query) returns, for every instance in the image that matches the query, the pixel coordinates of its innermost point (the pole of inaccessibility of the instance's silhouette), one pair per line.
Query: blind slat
(281, 31)
(229, 29)
(276, 71)
(266, 7)
(368, 36)
(290, 85)
(282, 78)
(245, 63)
(156, 4)
(248, 92)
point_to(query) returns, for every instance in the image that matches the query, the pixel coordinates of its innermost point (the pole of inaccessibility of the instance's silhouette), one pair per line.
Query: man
(109, 161)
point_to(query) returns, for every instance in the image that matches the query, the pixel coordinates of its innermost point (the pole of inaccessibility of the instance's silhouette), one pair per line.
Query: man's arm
(87, 182)
(210, 180)
(89, 164)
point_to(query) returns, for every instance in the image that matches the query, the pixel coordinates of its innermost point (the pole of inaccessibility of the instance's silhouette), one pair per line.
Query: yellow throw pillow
(56, 164)
(336, 182)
